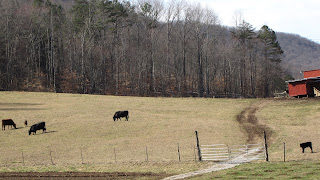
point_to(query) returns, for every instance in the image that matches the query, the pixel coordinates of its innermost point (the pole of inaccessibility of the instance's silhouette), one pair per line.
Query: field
(80, 129)
(82, 136)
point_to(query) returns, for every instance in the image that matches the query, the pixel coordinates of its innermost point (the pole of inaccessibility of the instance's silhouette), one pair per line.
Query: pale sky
(300, 17)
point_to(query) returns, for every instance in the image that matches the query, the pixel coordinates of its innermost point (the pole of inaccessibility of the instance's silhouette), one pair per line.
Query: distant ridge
(300, 54)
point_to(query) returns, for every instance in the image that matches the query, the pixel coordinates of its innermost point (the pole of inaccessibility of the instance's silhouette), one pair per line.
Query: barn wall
(297, 88)
(309, 74)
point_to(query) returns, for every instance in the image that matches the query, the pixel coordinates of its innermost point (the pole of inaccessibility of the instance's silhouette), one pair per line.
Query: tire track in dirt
(249, 123)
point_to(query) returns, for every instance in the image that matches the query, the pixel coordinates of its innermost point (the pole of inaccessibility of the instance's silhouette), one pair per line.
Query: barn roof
(313, 79)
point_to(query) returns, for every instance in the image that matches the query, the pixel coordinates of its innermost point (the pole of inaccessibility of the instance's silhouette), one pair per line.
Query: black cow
(8, 122)
(305, 145)
(26, 123)
(34, 128)
(120, 114)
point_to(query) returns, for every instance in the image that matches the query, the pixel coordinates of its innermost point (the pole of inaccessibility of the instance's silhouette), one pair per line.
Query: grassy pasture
(293, 121)
(83, 123)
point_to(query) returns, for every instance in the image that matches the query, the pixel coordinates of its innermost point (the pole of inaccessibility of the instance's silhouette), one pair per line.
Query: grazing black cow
(34, 128)
(8, 122)
(120, 114)
(305, 145)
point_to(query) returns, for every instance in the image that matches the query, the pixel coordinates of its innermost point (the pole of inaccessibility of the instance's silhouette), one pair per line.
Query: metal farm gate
(216, 152)
(222, 152)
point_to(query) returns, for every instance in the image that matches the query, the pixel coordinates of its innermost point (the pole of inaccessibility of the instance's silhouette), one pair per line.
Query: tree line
(146, 48)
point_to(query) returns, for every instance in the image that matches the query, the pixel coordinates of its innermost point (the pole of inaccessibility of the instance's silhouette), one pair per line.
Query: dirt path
(249, 123)
(250, 156)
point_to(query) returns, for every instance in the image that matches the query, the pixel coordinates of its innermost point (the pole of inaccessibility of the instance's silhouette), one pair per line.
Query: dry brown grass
(84, 123)
(292, 121)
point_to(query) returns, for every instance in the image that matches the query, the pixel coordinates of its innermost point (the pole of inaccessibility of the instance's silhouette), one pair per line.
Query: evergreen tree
(271, 60)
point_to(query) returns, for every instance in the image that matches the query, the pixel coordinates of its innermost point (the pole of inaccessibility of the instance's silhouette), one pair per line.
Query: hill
(300, 54)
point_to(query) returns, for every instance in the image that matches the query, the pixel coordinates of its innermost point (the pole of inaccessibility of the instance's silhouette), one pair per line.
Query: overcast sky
(300, 17)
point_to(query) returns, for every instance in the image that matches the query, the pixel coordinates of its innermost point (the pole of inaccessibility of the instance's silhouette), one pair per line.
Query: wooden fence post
(179, 152)
(147, 154)
(194, 153)
(284, 152)
(51, 158)
(81, 156)
(198, 146)
(22, 157)
(266, 145)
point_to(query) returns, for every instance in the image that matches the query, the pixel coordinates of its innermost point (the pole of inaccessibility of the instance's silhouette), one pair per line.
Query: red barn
(309, 86)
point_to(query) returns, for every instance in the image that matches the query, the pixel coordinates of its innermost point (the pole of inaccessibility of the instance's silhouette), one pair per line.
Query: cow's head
(14, 125)
(29, 132)
(114, 118)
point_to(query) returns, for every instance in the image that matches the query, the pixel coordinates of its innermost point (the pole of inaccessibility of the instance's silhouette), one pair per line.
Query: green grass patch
(268, 170)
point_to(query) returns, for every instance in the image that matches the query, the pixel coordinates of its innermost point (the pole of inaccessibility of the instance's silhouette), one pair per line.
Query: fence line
(91, 155)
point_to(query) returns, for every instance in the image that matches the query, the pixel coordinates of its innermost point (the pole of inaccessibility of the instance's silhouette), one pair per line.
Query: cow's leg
(311, 149)
(303, 150)
(126, 118)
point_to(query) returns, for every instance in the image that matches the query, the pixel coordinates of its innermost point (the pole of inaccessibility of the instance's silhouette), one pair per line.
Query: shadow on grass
(47, 132)
(50, 132)
(19, 107)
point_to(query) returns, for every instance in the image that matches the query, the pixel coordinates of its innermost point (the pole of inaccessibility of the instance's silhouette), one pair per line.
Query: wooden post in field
(284, 152)
(51, 158)
(22, 158)
(115, 155)
(179, 152)
(194, 153)
(147, 154)
(266, 145)
(198, 146)
(81, 156)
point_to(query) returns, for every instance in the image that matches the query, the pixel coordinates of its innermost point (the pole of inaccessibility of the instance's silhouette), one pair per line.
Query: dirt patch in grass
(250, 124)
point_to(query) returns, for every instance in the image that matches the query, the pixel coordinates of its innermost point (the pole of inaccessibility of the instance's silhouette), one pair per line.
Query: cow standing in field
(120, 114)
(305, 145)
(34, 128)
(8, 122)
(26, 123)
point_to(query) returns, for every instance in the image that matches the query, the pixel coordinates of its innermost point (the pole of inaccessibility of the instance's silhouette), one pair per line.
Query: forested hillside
(300, 54)
(144, 49)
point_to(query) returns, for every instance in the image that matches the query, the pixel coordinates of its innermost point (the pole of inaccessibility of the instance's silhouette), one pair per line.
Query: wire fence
(92, 155)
